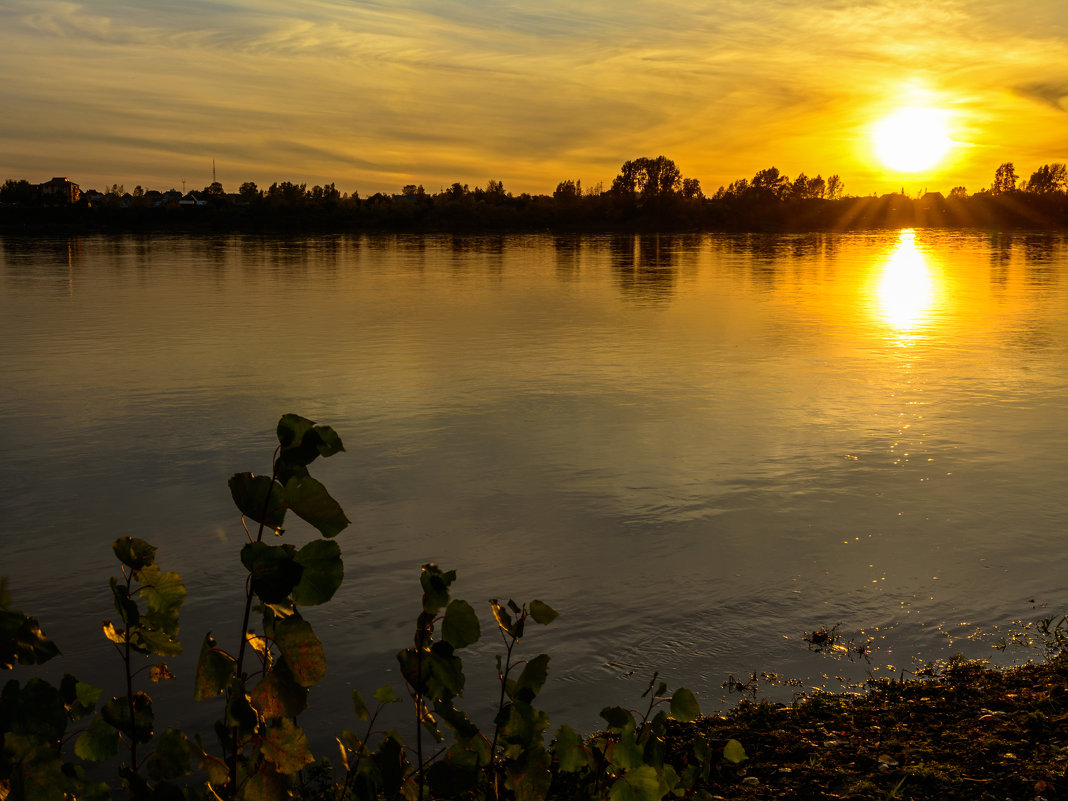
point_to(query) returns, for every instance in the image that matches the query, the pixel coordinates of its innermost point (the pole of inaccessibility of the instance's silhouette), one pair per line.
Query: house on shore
(61, 190)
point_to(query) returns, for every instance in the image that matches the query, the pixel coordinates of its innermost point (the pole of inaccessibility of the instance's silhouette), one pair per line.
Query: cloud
(1053, 93)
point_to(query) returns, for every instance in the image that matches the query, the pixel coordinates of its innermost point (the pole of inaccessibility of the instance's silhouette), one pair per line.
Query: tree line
(648, 192)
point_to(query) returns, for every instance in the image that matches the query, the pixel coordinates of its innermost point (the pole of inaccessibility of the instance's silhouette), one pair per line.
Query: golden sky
(373, 95)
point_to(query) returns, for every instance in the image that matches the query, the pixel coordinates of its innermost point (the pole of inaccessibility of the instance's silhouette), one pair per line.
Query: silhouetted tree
(648, 179)
(835, 187)
(249, 191)
(958, 193)
(691, 189)
(1047, 179)
(18, 191)
(1004, 179)
(770, 182)
(568, 190)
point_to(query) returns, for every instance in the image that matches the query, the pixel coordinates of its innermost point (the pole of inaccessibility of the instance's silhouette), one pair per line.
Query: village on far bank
(648, 194)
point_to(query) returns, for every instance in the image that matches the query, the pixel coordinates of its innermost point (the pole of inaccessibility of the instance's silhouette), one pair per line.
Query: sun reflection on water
(906, 289)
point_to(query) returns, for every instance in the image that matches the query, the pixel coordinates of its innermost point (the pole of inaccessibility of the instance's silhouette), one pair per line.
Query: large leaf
(302, 443)
(542, 612)
(734, 752)
(302, 650)
(323, 573)
(522, 724)
(173, 756)
(286, 745)
(133, 552)
(571, 752)
(22, 641)
(532, 679)
(37, 709)
(309, 499)
(528, 776)
(684, 706)
(625, 753)
(117, 712)
(259, 498)
(274, 568)
(617, 717)
(277, 695)
(460, 627)
(163, 592)
(214, 669)
(640, 784)
(98, 742)
(265, 785)
(301, 438)
(79, 698)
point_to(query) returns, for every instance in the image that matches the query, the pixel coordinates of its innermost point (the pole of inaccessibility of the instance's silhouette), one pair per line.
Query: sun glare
(912, 139)
(906, 289)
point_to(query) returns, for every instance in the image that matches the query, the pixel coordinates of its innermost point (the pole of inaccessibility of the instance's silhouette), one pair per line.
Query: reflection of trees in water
(298, 256)
(29, 260)
(567, 250)
(646, 265)
(467, 248)
(1040, 254)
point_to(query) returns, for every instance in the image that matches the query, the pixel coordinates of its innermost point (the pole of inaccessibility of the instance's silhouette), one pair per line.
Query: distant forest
(648, 194)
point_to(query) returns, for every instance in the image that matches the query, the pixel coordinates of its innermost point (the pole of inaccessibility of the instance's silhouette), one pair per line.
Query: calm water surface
(697, 448)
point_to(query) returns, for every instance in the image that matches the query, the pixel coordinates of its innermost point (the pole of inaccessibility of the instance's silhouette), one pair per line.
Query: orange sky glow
(376, 95)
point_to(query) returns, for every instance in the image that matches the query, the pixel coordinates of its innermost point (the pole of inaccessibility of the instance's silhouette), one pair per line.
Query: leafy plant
(264, 685)
(263, 748)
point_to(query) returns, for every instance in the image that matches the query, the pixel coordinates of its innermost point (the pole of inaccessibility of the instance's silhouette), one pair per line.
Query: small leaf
(684, 706)
(504, 620)
(117, 636)
(542, 613)
(133, 552)
(384, 695)
(214, 670)
(359, 706)
(734, 752)
(460, 627)
(259, 498)
(309, 499)
(286, 745)
(323, 573)
(435, 586)
(160, 672)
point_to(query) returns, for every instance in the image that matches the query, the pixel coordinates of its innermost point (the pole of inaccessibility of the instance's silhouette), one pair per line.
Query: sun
(912, 139)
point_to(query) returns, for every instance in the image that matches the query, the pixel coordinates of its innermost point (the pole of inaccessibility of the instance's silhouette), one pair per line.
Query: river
(697, 448)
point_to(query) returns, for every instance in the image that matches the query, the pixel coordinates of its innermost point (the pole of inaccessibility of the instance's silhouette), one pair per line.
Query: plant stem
(244, 631)
(129, 684)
